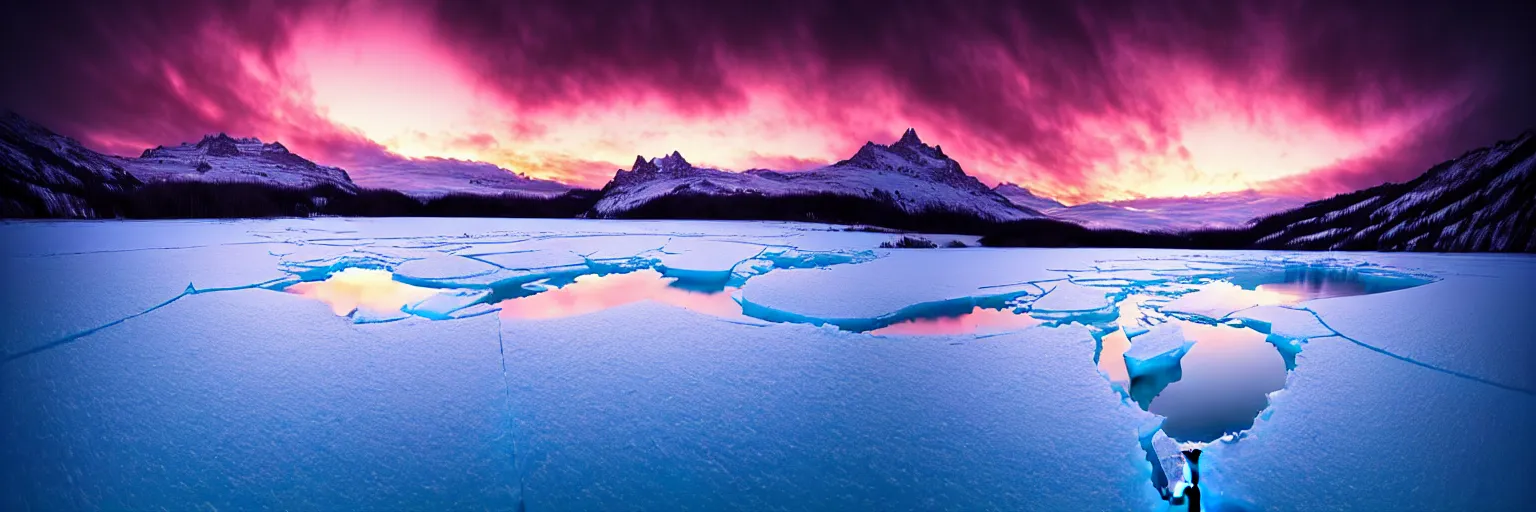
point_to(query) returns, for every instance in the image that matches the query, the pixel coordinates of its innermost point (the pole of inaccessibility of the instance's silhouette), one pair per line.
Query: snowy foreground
(581, 365)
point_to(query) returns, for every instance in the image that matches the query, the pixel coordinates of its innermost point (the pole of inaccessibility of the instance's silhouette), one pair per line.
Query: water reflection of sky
(978, 320)
(1223, 382)
(1221, 385)
(593, 293)
(359, 288)
(1311, 282)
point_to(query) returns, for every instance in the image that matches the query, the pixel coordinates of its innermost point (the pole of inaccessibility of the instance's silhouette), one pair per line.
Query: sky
(1081, 101)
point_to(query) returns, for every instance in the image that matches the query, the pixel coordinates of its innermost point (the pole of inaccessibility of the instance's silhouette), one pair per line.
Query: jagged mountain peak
(219, 145)
(220, 157)
(642, 165)
(674, 161)
(907, 174)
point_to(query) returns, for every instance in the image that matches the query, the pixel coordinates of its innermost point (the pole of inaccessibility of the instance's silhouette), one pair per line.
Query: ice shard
(1158, 350)
(1170, 459)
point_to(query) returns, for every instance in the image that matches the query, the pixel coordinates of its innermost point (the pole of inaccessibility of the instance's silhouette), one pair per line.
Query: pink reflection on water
(360, 288)
(979, 320)
(1112, 358)
(592, 293)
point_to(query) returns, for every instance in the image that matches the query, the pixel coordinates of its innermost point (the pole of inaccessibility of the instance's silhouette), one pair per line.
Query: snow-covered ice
(595, 364)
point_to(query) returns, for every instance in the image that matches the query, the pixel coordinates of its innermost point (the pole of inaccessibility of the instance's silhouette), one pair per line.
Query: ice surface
(438, 268)
(1283, 322)
(444, 303)
(901, 283)
(1358, 430)
(703, 260)
(533, 259)
(722, 416)
(1072, 299)
(254, 399)
(1157, 350)
(49, 298)
(1436, 323)
(235, 398)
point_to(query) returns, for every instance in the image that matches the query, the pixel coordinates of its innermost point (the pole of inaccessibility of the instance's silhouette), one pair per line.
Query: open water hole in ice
(376, 291)
(1222, 383)
(351, 289)
(1302, 283)
(592, 293)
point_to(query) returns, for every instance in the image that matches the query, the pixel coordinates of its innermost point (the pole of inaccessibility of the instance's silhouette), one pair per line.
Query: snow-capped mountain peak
(910, 174)
(221, 158)
(673, 163)
(219, 145)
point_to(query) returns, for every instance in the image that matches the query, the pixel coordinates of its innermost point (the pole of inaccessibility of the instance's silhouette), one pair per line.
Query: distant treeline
(201, 200)
(847, 209)
(191, 199)
(215, 200)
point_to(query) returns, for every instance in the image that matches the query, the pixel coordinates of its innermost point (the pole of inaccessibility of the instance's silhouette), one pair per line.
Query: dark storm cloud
(170, 70)
(957, 62)
(1001, 78)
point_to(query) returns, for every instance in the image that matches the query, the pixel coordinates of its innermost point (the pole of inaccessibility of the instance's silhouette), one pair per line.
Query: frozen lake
(388, 364)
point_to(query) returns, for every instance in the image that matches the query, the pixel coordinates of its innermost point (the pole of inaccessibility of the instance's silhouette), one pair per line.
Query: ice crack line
(190, 290)
(506, 386)
(76, 336)
(1416, 362)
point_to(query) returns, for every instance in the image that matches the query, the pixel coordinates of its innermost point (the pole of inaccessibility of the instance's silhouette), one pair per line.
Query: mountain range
(1481, 201)
(1173, 214)
(908, 175)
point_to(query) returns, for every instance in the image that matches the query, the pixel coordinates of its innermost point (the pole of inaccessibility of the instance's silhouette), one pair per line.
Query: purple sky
(1078, 100)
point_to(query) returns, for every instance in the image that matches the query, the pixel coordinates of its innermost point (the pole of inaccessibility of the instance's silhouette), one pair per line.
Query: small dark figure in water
(1192, 493)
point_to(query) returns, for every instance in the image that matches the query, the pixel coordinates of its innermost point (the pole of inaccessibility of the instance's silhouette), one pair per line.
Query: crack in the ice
(1413, 361)
(140, 249)
(9, 357)
(191, 289)
(506, 383)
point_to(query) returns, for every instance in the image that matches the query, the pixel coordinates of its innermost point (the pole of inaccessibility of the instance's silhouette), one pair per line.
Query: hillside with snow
(224, 159)
(49, 175)
(1021, 196)
(436, 177)
(908, 176)
(1484, 200)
